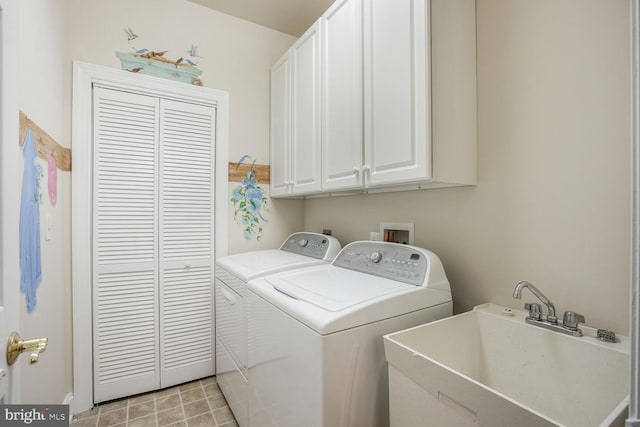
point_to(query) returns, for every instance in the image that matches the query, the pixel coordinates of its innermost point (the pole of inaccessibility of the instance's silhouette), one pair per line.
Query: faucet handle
(571, 319)
(535, 310)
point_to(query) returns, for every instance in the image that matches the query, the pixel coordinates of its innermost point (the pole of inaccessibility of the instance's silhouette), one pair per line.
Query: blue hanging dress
(30, 264)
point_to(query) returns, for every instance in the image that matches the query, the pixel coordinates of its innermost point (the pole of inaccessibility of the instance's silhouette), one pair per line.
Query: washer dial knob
(303, 243)
(375, 257)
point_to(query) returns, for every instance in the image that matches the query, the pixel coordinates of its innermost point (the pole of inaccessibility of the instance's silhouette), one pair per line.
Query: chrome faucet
(571, 320)
(517, 293)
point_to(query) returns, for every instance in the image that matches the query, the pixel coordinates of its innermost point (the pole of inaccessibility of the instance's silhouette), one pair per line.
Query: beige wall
(553, 201)
(43, 72)
(236, 58)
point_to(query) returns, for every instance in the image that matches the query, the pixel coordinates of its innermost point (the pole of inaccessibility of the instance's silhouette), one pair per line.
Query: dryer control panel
(394, 261)
(313, 245)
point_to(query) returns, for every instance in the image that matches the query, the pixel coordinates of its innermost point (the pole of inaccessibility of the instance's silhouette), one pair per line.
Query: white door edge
(10, 171)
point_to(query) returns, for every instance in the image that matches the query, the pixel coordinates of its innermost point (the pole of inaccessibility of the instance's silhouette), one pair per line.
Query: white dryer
(232, 274)
(316, 353)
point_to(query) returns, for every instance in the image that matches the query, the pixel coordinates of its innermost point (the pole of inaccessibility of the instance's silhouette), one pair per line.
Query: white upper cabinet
(280, 126)
(398, 84)
(342, 136)
(396, 94)
(419, 93)
(295, 118)
(305, 112)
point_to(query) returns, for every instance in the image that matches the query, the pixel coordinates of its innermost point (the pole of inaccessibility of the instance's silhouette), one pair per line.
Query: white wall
(552, 204)
(43, 72)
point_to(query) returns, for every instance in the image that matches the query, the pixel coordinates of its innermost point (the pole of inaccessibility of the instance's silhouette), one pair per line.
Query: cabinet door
(342, 139)
(305, 113)
(125, 223)
(396, 94)
(280, 126)
(187, 137)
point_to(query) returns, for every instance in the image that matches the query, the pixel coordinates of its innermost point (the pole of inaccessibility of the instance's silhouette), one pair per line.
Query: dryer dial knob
(303, 243)
(375, 257)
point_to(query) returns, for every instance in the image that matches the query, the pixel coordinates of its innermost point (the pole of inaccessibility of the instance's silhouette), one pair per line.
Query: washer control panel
(393, 261)
(313, 245)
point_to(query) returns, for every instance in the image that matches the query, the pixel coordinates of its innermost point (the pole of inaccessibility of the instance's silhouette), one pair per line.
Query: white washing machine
(316, 353)
(232, 274)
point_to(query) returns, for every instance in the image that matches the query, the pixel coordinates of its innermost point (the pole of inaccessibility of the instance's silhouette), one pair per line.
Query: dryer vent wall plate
(397, 232)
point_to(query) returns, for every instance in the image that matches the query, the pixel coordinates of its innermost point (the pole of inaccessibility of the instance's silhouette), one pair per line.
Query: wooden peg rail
(237, 172)
(45, 144)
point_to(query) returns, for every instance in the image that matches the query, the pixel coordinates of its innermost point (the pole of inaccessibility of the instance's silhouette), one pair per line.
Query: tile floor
(196, 404)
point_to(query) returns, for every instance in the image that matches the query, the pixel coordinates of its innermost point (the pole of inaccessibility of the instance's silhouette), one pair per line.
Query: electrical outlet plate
(397, 232)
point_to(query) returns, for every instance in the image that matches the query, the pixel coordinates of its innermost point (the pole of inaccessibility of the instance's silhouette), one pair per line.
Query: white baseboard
(68, 400)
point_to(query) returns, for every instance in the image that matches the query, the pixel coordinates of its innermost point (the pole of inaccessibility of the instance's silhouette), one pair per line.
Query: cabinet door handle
(356, 170)
(365, 169)
(228, 296)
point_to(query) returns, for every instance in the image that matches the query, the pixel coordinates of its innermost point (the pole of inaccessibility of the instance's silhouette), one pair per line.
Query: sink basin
(488, 367)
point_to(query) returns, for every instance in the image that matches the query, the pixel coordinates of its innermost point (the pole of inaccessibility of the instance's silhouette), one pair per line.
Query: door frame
(634, 382)
(84, 77)
(10, 171)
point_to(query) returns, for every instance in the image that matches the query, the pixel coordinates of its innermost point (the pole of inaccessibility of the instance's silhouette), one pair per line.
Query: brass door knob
(17, 346)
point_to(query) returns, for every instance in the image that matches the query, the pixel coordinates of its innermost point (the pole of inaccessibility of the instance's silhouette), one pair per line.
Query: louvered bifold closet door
(125, 224)
(186, 241)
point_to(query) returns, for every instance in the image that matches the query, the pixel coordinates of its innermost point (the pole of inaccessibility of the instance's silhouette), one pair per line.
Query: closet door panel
(187, 325)
(186, 241)
(125, 221)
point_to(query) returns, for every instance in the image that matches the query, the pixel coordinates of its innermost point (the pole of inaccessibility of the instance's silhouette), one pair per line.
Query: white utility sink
(488, 367)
